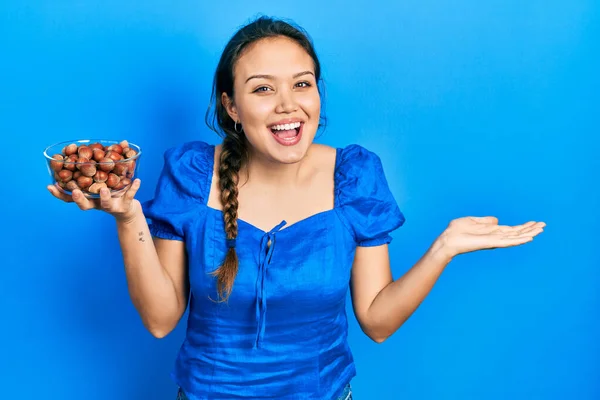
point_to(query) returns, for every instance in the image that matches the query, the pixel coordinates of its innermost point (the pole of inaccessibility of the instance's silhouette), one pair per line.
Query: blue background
(476, 108)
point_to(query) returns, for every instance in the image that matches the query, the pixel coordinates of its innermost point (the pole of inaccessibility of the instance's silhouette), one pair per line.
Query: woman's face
(276, 99)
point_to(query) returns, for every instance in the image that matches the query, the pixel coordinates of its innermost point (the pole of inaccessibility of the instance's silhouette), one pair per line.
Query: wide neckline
(287, 226)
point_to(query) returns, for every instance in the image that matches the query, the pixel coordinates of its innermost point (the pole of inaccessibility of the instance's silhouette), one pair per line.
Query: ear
(229, 107)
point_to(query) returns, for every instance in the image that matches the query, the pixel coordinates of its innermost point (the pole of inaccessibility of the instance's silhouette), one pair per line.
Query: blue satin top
(283, 332)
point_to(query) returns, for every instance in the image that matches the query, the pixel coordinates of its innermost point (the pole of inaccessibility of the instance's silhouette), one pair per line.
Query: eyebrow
(272, 77)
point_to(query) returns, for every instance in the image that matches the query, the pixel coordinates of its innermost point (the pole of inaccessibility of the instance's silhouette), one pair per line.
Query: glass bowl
(91, 164)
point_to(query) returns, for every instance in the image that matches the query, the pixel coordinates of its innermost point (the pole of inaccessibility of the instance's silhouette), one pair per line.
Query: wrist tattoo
(141, 236)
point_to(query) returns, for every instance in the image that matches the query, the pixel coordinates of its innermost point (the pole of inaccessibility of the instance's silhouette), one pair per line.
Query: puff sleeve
(181, 190)
(365, 201)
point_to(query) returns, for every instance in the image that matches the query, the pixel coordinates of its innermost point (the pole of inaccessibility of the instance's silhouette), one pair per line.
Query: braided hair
(234, 154)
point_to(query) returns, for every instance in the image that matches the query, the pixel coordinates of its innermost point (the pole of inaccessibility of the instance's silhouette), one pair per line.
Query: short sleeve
(181, 191)
(363, 197)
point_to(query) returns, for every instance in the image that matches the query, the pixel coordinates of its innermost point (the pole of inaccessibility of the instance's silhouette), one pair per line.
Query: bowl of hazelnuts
(90, 165)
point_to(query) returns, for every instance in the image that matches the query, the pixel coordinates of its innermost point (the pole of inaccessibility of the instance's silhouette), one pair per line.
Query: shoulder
(196, 151)
(356, 155)
(356, 162)
(188, 167)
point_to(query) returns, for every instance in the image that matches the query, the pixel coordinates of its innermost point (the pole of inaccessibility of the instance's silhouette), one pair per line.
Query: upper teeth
(286, 127)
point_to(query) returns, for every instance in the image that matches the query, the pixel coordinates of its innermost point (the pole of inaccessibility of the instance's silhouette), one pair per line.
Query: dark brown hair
(234, 153)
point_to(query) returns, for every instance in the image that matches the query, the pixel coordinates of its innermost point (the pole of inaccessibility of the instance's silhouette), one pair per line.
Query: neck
(263, 171)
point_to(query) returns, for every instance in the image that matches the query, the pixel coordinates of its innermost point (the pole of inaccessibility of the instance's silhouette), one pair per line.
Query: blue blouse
(283, 332)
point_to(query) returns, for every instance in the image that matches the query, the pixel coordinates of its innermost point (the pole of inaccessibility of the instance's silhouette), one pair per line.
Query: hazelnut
(71, 149)
(70, 162)
(81, 161)
(124, 144)
(116, 148)
(57, 165)
(106, 164)
(100, 176)
(95, 146)
(130, 169)
(76, 174)
(86, 167)
(123, 183)
(84, 181)
(130, 154)
(71, 185)
(120, 168)
(61, 184)
(85, 152)
(113, 180)
(95, 188)
(99, 154)
(114, 155)
(65, 175)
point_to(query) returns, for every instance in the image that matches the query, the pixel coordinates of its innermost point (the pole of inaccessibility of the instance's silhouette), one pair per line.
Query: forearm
(397, 301)
(151, 289)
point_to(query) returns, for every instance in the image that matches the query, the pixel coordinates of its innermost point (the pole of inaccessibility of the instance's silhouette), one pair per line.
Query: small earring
(235, 127)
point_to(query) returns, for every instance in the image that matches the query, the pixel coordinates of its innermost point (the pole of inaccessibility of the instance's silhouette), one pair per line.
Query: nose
(286, 102)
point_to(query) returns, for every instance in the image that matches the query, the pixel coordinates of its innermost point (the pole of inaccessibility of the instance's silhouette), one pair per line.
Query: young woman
(267, 232)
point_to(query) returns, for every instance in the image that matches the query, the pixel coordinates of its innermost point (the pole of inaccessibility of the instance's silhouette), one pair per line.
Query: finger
(130, 194)
(524, 226)
(81, 201)
(509, 242)
(529, 233)
(58, 194)
(105, 199)
(534, 228)
(485, 220)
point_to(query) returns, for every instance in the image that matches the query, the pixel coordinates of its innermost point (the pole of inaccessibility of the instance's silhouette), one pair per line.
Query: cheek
(311, 103)
(255, 111)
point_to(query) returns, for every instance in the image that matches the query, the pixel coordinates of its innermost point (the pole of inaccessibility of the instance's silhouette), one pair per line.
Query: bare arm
(156, 269)
(382, 305)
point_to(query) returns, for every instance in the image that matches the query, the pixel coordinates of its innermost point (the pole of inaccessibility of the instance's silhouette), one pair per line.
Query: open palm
(469, 234)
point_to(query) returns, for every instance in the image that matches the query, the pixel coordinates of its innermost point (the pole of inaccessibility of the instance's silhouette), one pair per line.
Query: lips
(287, 137)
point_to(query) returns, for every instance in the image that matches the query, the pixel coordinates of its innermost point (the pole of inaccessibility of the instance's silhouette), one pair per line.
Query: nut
(86, 167)
(96, 146)
(100, 176)
(70, 162)
(130, 154)
(116, 148)
(84, 181)
(114, 155)
(95, 188)
(124, 144)
(85, 152)
(65, 175)
(120, 168)
(106, 164)
(123, 183)
(71, 185)
(76, 174)
(113, 180)
(71, 149)
(99, 154)
(57, 165)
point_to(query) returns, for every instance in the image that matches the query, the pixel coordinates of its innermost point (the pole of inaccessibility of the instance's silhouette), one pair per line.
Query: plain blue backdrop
(475, 108)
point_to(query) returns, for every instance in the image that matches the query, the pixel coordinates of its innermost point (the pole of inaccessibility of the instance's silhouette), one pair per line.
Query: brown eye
(260, 89)
(303, 84)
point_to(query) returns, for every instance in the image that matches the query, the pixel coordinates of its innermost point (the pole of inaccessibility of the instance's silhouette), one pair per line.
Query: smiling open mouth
(287, 134)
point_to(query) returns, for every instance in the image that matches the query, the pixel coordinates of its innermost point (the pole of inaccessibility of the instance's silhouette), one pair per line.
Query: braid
(232, 157)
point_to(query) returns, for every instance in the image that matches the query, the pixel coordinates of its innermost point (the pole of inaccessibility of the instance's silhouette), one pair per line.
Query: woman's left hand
(468, 234)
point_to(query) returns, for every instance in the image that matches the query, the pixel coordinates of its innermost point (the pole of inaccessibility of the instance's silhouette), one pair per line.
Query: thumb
(488, 219)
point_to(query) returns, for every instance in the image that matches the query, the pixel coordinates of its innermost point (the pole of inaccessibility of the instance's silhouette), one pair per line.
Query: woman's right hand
(123, 207)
